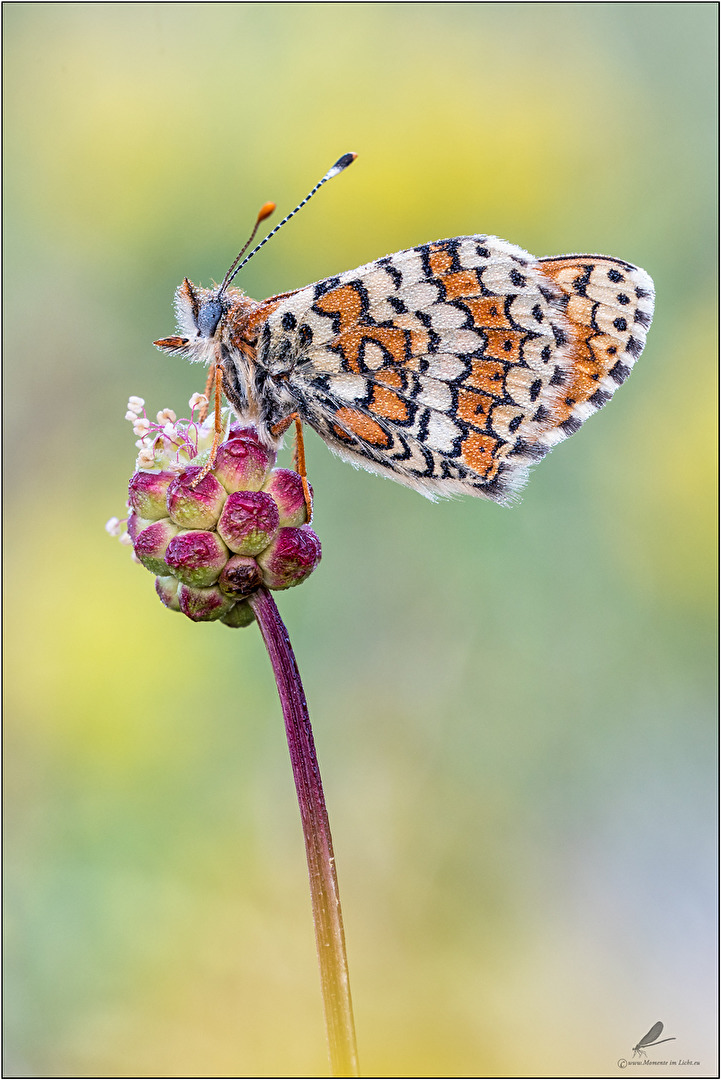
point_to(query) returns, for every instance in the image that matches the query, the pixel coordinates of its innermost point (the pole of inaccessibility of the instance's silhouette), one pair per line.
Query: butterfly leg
(215, 379)
(207, 392)
(298, 457)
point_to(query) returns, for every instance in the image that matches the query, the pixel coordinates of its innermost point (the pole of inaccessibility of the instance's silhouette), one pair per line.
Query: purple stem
(327, 916)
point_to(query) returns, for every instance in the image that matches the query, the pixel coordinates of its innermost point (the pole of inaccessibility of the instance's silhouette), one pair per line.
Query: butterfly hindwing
(453, 366)
(609, 305)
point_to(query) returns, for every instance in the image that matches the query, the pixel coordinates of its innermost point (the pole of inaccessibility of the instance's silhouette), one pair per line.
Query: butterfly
(451, 367)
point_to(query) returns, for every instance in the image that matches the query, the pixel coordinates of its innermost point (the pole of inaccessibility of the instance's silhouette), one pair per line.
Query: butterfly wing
(652, 1035)
(609, 305)
(453, 366)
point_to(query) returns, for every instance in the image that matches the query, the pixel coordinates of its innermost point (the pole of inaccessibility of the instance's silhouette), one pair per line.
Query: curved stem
(327, 916)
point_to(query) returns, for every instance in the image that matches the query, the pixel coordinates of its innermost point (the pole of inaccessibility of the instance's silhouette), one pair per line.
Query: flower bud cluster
(213, 538)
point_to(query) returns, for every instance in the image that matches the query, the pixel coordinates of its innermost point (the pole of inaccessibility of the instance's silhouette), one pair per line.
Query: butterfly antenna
(265, 211)
(341, 164)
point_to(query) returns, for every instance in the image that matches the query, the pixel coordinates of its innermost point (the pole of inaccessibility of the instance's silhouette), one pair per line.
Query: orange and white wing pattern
(454, 366)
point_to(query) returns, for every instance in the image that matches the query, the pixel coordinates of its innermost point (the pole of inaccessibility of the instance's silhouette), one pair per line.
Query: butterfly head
(199, 312)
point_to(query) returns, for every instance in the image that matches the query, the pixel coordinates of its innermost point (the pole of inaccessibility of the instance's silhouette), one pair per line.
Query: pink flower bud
(243, 431)
(249, 521)
(286, 487)
(147, 493)
(241, 576)
(151, 543)
(203, 604)
(136, 524)
(196, 558)
(240, 615)
(242, 464)
(195, 507)
(291, 558)
(167, 590)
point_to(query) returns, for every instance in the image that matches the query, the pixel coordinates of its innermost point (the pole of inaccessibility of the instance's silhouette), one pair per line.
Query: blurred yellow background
(514, 709)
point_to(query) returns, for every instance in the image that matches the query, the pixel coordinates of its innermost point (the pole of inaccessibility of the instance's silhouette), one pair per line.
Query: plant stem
(325, 898)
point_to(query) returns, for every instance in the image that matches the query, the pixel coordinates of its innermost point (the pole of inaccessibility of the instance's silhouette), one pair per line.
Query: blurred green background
(514, 709)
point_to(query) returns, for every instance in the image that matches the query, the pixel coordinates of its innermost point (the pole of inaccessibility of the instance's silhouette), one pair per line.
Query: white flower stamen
(146, 458)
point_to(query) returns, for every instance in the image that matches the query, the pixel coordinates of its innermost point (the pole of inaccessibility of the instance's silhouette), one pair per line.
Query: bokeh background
(514, 709)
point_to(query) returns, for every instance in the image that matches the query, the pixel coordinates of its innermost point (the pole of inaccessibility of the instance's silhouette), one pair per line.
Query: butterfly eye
(209, 317)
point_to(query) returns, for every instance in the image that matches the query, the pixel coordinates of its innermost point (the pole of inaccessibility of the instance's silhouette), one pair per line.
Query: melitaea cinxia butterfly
(450, 367)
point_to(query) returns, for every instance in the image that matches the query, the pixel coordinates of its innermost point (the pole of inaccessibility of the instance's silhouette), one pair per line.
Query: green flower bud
(197, 557)
(196, 507)
(239, 615)
(151, 543)
(242, 464)
(203, 604)
(167, 590)
(136, 524)
(248, 522)
(147, 494)
(286, 488)
(291, 558)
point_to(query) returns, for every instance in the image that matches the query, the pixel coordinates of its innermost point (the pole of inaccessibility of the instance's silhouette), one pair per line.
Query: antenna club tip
(265, 211)
(341, 163)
